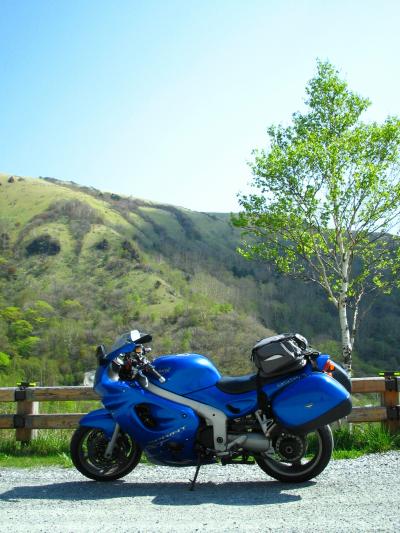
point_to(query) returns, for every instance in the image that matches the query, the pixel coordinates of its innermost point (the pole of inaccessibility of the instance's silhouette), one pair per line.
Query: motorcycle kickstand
(193, 481)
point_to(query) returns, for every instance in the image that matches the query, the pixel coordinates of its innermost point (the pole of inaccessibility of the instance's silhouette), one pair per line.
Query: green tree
(26, 346)
(4, 361)
(328, 198)
(20, 329)
(11, 314)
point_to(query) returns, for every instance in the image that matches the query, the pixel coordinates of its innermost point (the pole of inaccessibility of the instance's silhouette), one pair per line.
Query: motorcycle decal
(164, 370)
(166, 437)
(287, 381)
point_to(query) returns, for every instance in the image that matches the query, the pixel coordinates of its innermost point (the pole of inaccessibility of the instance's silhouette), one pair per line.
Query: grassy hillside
(79, 266)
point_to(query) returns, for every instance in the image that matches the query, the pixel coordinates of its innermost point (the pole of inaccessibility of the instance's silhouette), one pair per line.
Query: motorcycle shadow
(174, 494)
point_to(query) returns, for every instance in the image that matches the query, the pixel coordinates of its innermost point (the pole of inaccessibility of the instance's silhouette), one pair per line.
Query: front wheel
(297, 458)
(88, 446)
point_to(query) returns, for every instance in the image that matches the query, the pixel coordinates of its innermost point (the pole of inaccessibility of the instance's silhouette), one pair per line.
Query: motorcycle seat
(237, 385)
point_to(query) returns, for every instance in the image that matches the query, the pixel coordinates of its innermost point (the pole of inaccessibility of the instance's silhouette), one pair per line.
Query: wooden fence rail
(27, 417)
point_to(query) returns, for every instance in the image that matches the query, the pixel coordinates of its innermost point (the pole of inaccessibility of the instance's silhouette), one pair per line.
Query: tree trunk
(347, 346)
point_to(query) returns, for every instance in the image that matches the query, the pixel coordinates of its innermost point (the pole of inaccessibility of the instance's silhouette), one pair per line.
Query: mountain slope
(79, 266)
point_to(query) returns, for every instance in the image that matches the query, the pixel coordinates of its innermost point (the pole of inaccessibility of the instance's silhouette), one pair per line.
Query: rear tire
(307, 467)
(87, 453)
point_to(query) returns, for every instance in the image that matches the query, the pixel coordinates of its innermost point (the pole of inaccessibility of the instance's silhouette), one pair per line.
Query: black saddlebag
(281, 354)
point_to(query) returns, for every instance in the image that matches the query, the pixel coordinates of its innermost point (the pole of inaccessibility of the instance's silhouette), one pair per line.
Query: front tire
(88, 446)
(318, 451)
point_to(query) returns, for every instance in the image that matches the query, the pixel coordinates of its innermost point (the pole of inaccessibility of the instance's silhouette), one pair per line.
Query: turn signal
(329, 367)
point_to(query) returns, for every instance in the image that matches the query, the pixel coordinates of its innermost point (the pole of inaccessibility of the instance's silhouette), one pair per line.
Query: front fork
(111, 445)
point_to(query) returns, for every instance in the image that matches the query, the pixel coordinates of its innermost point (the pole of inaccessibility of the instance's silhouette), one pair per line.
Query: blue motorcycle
(179, 411)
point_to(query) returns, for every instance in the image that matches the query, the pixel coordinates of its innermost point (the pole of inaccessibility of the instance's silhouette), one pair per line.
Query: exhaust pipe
(254, 442)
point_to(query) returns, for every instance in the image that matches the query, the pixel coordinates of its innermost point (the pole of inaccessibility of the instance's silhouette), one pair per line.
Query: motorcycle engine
(205, 436)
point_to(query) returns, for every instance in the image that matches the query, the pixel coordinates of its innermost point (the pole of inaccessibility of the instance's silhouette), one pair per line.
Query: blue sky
(165, 99)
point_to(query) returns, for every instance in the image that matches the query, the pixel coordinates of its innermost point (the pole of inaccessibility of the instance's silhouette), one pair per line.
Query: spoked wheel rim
(92, 448)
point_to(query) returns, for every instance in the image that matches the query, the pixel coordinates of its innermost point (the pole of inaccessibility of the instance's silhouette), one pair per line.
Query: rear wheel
(88, 446)
(297, 458)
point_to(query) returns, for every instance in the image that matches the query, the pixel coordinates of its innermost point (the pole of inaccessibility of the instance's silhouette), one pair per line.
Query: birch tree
(326, 207)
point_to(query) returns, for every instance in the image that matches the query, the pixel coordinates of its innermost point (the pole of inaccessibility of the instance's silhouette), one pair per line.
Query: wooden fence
(28, 418)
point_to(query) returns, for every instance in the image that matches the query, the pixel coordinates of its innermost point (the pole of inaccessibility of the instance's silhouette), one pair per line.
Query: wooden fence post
(25, 406)
(390, 399)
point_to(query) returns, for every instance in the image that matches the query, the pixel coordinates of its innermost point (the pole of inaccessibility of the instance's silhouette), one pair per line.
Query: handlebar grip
(160, 378)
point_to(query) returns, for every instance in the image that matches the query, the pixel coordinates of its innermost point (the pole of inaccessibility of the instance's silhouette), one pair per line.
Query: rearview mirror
(135, 335)
(140, 337)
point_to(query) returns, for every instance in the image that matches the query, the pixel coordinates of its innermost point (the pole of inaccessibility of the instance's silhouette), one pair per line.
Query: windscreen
(121, 341)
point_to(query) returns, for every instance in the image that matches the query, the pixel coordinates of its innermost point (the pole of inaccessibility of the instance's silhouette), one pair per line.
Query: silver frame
(213, 417)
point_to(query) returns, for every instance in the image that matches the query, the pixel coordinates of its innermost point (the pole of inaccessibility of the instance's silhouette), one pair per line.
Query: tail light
(329, 367)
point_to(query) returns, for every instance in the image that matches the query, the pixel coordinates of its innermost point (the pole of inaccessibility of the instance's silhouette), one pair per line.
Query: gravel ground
(350, 495)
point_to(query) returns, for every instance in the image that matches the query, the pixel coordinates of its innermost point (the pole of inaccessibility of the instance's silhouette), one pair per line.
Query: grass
(51, 447)
(365, 438)
(24, 199)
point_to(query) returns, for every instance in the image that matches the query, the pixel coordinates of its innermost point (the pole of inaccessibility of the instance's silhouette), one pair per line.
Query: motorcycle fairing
(171, 441)
(100, 419)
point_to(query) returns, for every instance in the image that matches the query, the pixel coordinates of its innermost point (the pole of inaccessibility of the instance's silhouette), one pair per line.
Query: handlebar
(139, 364)
(147, 366)
(153, 371)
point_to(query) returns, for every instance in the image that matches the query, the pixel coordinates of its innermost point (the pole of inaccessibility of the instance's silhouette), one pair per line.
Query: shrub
(102, 245)
(43, 245)
(4, 241)
(130, 251)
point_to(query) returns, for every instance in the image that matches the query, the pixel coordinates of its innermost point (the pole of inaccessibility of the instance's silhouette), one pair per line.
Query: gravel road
(350, 495)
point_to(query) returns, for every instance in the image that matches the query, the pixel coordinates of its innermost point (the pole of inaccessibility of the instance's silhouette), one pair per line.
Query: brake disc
(290, 447)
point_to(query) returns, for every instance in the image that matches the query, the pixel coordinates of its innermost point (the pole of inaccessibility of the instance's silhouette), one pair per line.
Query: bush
(102, 245)
(43, 245)
(130, 251)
